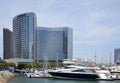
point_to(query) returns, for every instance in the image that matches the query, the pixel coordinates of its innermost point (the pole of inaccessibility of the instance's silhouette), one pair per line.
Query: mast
(110, 58)
(102, 59)
(95, 58)
(45, 60)
(57, 60)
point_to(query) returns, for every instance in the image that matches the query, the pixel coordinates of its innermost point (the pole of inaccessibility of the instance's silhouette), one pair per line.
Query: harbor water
(23, 79)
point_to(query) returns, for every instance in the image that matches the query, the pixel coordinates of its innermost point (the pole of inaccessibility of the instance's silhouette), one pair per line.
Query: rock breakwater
(5, 76)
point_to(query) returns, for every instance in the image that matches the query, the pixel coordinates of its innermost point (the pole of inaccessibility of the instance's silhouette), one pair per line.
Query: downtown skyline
(27, 41)
(95, 23)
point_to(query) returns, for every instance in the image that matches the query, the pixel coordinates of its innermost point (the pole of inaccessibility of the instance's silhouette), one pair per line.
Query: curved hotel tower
(54, 43)
(24, 26)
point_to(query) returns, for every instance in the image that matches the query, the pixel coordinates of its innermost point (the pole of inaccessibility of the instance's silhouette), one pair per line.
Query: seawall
(5, 76)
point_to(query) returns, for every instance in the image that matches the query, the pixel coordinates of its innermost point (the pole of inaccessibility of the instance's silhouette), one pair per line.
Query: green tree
(22, 65)
(11, 64)
(29, 65)
(37, 64)
(3, 64)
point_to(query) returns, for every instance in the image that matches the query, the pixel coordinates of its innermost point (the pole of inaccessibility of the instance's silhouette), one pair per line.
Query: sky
(95, 23)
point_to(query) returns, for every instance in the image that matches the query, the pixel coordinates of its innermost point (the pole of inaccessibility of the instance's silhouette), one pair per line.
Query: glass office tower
(54, 43)
(24, 35)
(7, 44)
(117, 55)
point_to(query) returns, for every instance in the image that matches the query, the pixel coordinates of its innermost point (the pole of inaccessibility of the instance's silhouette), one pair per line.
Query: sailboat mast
(110, 58)
(57, 59)
(95, 58)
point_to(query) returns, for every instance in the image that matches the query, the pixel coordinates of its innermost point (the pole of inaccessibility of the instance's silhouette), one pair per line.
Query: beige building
(17, 60)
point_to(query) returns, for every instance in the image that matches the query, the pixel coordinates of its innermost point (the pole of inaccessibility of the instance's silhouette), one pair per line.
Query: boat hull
(79, 76)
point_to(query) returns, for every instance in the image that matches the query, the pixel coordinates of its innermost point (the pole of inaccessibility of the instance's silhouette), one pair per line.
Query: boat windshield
(83, 70)
(80, 65)
(68, 67)
(80, 70)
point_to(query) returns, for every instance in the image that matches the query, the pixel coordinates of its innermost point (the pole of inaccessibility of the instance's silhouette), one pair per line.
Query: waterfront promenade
(5, 76)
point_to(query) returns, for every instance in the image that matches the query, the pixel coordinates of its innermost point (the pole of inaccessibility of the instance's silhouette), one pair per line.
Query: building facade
(24, 26)
(54, 43)
(117, 55)
(7, 44)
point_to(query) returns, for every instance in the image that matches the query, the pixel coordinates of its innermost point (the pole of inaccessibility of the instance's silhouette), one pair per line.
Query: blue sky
(95, 23)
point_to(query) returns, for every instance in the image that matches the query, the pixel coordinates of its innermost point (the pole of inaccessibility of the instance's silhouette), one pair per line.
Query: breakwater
(5, 76)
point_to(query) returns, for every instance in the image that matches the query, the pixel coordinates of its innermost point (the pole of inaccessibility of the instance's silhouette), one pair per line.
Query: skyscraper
(24, 26)
(117, 55)
(7, 44)
(54, 43)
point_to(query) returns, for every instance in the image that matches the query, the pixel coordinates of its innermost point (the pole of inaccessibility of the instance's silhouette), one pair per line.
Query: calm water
(23, 79)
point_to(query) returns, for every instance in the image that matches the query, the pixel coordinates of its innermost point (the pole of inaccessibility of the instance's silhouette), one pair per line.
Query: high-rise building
(117, 55)
(7, 44)
(54, 43)
(24, 26)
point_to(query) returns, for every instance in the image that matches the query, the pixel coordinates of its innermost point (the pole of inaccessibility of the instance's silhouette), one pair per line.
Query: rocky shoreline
(5, 76)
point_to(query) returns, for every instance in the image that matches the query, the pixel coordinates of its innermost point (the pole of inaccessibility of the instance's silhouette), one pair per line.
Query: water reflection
(23, 79)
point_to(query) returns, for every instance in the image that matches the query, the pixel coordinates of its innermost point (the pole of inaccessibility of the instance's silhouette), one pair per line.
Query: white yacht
(115, 71)
(35, 74)
(80, 73)
(38, 74)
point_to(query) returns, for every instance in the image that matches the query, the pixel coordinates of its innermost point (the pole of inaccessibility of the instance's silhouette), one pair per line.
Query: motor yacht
(80, 73)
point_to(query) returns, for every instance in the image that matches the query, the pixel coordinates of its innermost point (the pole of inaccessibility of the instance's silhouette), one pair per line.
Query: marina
(60, 41)
(23, 79)
(76, 71)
